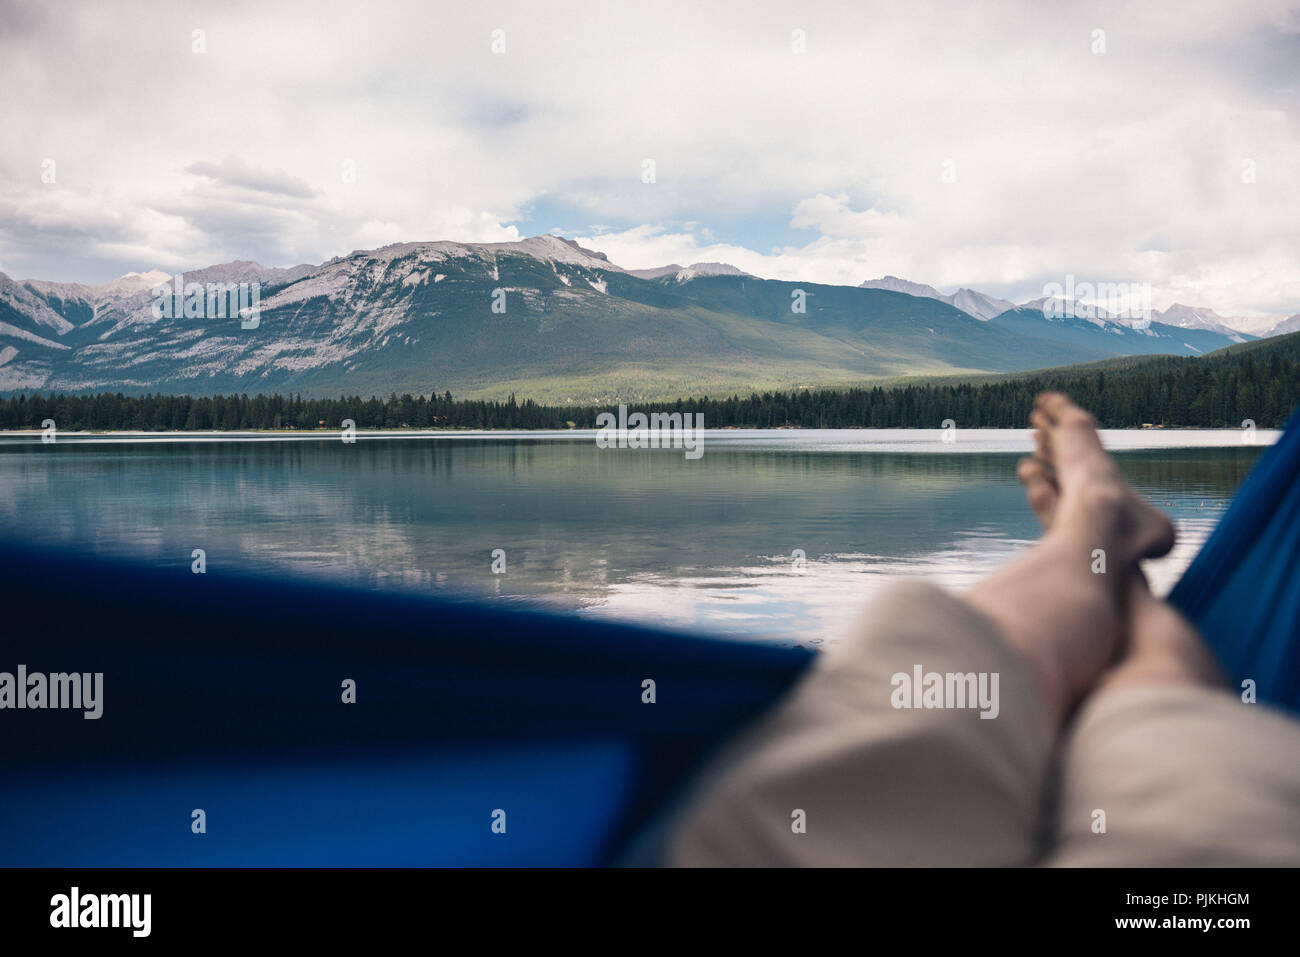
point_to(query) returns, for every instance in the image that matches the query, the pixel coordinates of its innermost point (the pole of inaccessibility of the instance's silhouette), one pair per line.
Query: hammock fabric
(1243, 588)
(224, 694)
(477, 737)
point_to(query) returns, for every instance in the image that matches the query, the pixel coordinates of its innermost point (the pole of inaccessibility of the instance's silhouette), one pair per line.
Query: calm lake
(774, 535)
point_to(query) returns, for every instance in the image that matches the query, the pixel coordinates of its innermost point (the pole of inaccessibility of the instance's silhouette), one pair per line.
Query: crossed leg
(1062, 605)
(837, 774)
(1162, 764)
(1157, 643)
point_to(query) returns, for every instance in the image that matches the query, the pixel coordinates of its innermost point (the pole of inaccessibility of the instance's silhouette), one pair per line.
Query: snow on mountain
(133, 283)
(969, 301)
(685, 273)
(129, 285)
(1197, 317)
(28, 330)
(894, 284)
(1059, 308)
(671, 269)
(654, 273)
(22, 301)
(549, 249)
(710, 269)
(557, 249)
(978, 304)
(1064, 321)
(419, 314)
(413, 264)
(1290, 324)
(1176, 316)
(14, 332)
(1056, 307)
(245, 271)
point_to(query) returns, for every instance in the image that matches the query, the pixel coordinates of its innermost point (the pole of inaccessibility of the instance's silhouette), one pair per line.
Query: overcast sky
(962, 144)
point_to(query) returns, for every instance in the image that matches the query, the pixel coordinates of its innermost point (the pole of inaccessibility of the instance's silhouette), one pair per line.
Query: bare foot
(1161, 646)
(1058, 605)
(1077, 484)
(1040, 489)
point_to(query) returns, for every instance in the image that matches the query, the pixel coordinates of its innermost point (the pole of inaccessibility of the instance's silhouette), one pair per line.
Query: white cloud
(1122, 166)
(235, 173)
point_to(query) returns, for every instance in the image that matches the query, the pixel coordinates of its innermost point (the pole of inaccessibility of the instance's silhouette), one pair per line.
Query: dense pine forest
(1259, 381)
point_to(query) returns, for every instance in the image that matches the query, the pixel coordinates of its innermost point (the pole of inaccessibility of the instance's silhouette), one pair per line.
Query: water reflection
(648, 535)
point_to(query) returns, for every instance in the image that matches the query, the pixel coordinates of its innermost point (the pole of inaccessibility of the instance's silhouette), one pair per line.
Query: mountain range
(543, 318)
(969, 301)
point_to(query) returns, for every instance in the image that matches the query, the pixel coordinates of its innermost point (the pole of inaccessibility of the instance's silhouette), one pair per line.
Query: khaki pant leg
(1185, 775)
(880, 785)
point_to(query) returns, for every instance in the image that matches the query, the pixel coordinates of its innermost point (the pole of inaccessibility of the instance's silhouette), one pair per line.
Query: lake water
(711, 544)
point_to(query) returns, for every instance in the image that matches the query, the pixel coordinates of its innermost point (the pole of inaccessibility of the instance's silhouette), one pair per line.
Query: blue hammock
(224, 694)
(478, 736)
(1243, 587)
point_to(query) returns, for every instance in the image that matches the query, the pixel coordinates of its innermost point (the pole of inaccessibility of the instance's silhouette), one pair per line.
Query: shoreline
(328, 433)
(800, 439)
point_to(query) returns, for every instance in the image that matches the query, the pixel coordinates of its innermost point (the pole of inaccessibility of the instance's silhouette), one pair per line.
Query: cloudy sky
(1001, 146)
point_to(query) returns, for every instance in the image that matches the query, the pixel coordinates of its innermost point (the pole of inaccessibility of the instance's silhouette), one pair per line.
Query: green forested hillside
(541, 318)
(1259, 381)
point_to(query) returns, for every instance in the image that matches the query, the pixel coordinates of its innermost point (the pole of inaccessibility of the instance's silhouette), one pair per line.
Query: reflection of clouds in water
(702, 546)
(772, 601)
(969, 440)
